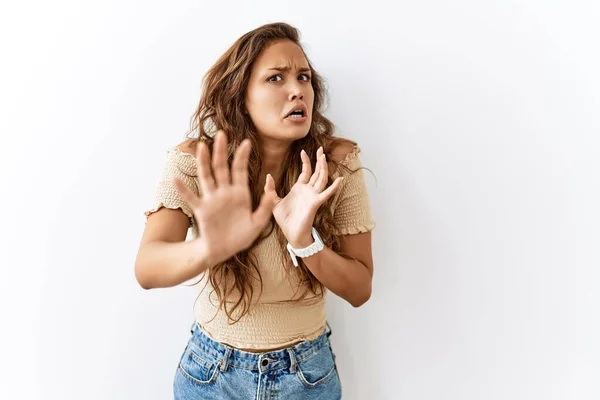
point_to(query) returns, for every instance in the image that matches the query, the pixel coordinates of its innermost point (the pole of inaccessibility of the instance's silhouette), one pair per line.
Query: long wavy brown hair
(221, 107)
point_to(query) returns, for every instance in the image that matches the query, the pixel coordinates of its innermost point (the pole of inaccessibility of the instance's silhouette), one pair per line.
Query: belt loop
(225, 361)
(327, 328)
(192, 327)
(292, 361)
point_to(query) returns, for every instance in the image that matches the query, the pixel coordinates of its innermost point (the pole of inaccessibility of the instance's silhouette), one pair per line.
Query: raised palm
(295, 213)
(224, 213)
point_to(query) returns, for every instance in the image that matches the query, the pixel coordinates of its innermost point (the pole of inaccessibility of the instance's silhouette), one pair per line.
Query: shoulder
(182, 157)
(343, 150)
(188, 146)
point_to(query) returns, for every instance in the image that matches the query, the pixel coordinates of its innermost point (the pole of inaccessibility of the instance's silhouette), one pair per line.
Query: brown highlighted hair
(222, 107)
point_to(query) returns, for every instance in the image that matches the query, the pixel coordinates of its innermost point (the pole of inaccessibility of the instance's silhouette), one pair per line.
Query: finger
(270, 188)
(315, 176)
(322, 180)
(263, 213)
(324, 195)
(239, 166)
(205, 179)
(318, 165)
(186, 193)
(306, 169)
(268, 201)
(219, 158)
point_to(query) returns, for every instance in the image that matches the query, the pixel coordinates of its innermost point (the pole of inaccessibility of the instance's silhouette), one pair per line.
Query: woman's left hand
(295, 213)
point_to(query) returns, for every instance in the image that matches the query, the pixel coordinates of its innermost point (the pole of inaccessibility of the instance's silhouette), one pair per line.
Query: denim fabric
(211, 370)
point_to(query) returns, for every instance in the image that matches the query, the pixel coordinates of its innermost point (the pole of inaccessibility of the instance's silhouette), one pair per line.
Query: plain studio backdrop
(478, 119)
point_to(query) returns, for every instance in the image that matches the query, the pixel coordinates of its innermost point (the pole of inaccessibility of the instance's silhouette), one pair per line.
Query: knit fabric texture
(282, 312)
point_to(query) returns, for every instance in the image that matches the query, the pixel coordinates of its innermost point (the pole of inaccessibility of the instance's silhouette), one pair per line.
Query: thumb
(270, 188)
(268, 201)
(327, 193)
(262, 214)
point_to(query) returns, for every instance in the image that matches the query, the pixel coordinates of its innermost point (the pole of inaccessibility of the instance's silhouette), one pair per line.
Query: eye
(306, 76)
(274, 76)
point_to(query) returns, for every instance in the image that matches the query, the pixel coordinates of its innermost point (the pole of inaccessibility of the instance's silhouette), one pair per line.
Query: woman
(280, 216)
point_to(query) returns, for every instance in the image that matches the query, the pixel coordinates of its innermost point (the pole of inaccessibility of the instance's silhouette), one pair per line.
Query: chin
(297, 134)
(287, 133)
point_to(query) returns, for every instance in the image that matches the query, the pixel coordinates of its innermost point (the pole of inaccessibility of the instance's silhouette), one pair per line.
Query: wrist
(302, 241)
(314, 247)
(198, 257)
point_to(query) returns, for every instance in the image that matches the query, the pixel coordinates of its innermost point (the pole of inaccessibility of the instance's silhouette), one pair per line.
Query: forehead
(283, 53)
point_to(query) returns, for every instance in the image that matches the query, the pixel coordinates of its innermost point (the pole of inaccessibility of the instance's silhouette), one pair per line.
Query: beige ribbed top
(281, 314)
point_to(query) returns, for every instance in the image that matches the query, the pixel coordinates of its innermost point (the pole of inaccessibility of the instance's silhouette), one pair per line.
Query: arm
(349, 279)
(223, 215)
(164, 258)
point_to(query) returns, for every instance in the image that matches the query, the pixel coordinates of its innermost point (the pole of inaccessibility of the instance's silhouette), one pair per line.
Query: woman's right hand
(224, 214)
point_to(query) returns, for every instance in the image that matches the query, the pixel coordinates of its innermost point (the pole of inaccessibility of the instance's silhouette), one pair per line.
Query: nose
(296, 91)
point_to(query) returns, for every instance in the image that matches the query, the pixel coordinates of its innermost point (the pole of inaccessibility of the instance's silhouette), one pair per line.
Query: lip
(297, 120)
(298, 106)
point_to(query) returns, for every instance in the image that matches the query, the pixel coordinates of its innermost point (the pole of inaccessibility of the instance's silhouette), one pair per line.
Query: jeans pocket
(197, 366)
(318, 368)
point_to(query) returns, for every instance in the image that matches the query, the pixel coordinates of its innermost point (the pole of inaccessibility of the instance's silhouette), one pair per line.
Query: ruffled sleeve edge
(353, 230)
(161, 204)
(351, 156)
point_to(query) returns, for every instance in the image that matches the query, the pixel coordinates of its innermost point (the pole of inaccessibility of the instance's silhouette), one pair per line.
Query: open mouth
(296, 114)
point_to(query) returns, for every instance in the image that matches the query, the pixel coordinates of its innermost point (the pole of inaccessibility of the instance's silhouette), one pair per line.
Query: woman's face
(280, 82)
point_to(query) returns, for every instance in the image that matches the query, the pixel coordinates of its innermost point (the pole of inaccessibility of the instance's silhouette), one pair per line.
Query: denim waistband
(264, 361)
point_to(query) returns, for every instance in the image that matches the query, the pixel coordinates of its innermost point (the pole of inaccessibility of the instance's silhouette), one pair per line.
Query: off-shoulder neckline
(351, 155)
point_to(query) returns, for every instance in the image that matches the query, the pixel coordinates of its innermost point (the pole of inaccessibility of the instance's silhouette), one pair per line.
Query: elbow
(363, 295)
(358, 301)
(142, 270)
(141, 277)
(144, 286)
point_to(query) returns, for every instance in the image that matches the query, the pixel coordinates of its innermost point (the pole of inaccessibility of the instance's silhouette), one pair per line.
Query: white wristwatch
(307, 251)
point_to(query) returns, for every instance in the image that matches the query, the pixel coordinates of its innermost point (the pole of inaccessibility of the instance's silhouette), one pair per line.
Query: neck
(274, 154)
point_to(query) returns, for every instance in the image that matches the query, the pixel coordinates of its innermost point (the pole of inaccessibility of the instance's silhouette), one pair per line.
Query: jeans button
(265, 362)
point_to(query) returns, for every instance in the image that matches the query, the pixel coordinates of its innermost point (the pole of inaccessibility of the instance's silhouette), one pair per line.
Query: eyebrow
(285, 69)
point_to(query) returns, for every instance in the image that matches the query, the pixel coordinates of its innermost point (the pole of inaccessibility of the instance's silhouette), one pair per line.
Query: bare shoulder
(188, 146)
(340, 149)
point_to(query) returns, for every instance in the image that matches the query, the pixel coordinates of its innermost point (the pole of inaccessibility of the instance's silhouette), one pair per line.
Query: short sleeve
(351, 206)
(181, 165)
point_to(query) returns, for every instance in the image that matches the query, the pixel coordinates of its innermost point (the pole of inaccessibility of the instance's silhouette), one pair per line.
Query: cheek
(260, 99)
(259, 95)
(266, 103)
(309, 97)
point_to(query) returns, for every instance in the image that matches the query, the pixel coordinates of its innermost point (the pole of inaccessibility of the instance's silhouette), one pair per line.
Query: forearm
(349, 279)
(164, 264)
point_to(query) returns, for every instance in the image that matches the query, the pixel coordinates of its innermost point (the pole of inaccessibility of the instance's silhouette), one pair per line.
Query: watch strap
(308, 251)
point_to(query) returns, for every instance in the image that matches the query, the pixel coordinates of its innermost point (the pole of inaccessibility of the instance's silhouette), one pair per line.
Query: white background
(479, 119)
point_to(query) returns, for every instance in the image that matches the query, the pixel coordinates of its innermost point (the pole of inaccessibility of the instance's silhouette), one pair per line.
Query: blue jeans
(211, 370)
